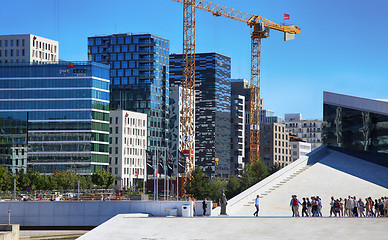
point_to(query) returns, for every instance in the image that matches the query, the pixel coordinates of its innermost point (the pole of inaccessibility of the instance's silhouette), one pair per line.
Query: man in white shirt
(256, 214)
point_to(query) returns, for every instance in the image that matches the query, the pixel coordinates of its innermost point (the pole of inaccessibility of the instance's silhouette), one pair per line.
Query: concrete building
(213, 105)
(242, 87)
(127, 147)
(299, 148)
(139, 79)
(275, 144)
(356, 126)
(237, 148)
(268, 116)
(28, 48)
(59, 112)
(309, 130)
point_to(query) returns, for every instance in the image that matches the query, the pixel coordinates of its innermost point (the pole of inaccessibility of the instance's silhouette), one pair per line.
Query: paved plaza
(124, 227)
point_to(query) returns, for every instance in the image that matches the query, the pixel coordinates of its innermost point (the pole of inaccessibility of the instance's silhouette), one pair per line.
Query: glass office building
(139, 79)
(60, 111)
(356, 126)
(212, 109)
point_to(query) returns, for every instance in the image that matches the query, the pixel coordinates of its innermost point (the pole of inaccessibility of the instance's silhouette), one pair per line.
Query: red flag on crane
(286, 16)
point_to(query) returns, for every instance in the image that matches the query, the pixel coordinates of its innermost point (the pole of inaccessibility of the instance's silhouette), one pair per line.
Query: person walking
(294, 203)
(204, 207)
(309, 211)
(355, 207)
(319, 206)
(304, 208)
(332, 206)
(350, 206)
(361, 208)
(256, 214)
(314, 205)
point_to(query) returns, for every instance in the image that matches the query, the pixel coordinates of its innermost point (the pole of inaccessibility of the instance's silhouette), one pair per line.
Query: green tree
(253, 174)
(66, 180)
(6, 180)
(22, 181)
(52, 182)
(216, 186)
(233, 187)
(276, 167)
(199, 186)
(85, 182)
(103, 178)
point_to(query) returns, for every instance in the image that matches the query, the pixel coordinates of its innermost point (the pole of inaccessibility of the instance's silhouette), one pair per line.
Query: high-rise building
(275, 144)
(309, 131)
(237, 148)
(27, 48)
(139, 79)
(213, 106)
(58, 113)
(127, 146)
(242, 87)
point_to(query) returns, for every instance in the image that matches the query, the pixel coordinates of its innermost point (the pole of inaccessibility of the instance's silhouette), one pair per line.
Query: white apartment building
(237, 153)
(299, 149)
(309, 131)
(127, 147)
(28, 48)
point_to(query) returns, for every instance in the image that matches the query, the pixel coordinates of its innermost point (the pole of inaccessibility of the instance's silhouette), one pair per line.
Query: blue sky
(343, 46)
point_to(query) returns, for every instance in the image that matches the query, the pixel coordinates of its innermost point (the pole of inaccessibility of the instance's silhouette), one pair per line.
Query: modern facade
(299, 148)
(139, 79)
(242, 87)
(58, 112)
(309, 131)
(28, 48)
(268, 116)
(213, 106)
(127, 147)
(356, 126)
(237, 148)
(275, 144)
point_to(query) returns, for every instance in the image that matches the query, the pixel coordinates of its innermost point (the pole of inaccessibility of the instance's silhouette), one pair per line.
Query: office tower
(275, 144)
(59, 113)
(27, 48)
(212, 109)
(309, 130)
(139, 79)
(127, 147)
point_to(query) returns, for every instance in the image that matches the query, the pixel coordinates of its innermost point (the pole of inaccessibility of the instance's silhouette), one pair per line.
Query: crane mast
(188, 87)
(261, 27)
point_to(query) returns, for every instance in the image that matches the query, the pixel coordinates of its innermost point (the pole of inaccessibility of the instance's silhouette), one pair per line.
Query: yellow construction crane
(261, 27)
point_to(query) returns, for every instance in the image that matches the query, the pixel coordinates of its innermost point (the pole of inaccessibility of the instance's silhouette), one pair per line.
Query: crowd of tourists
(339, 207)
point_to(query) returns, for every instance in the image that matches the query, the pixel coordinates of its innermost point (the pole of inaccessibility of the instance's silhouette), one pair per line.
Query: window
(116, 172)
(110, 140)
(117, 120)
(0, 43)
(116, 150)
(117, 130)
(117, 140)
(110, 160)
(6, 43)
(11, 52)
(17, 43)
(116, 160)
(23, 52)
(17, 52)
(110, 130)
(11, 43)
